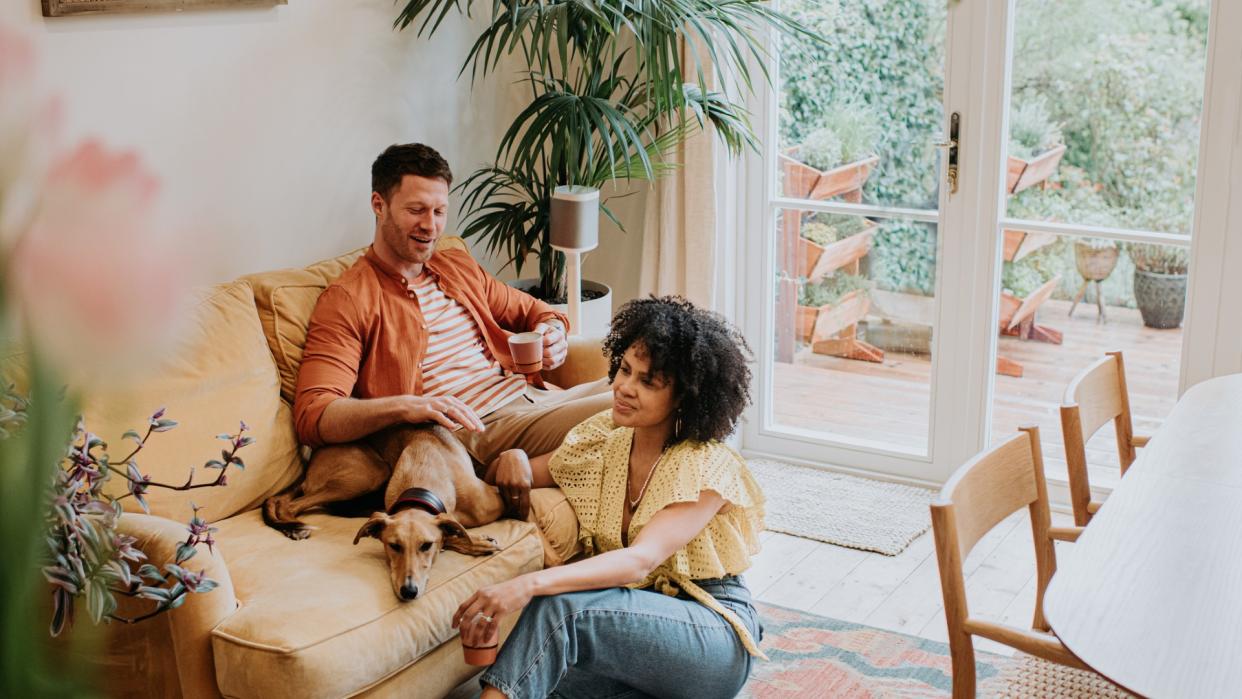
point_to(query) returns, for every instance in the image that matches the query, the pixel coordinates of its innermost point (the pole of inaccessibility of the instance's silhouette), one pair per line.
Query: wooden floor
(902, 593)
(889, 403)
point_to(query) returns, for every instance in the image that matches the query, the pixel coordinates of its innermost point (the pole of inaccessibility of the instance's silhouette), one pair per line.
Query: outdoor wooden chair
(977, 497)
(1095, 396)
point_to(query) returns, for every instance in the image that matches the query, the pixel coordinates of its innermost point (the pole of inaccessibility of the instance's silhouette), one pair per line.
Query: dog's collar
(421, 498)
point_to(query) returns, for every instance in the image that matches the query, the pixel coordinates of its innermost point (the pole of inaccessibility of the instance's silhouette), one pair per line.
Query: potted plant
(821, 298)
(1035, 147)
(1095, 258)
(1160, 283)
(835, 159)
(611, 99)
(820, 231)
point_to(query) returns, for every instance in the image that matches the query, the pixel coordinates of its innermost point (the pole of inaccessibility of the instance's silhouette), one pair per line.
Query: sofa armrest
(189, 625)
(586, 362)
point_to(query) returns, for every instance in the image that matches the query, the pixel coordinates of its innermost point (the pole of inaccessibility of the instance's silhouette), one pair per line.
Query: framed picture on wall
(60, 8)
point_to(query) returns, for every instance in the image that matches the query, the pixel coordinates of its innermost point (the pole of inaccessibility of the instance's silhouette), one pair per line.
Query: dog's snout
(409, 590)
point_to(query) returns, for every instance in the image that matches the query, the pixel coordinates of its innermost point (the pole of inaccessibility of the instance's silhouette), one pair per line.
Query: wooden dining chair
(1095, 396)
(977, 497)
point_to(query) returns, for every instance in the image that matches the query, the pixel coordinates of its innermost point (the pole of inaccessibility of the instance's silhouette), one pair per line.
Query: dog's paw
(298, 534)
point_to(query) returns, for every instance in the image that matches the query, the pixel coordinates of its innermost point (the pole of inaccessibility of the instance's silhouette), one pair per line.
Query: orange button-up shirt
(367, 335)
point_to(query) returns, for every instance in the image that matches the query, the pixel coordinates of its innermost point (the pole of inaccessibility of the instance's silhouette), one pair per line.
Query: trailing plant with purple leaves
(88, 557)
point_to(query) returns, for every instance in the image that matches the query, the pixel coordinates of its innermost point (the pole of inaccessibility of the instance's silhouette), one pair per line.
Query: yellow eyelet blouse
(592, 467)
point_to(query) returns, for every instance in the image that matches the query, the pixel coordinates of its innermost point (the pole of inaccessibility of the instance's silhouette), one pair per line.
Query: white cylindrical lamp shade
(575, 218)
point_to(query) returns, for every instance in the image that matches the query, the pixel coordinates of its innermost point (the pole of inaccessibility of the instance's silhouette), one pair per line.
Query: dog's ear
(456, 538)
(373, 526)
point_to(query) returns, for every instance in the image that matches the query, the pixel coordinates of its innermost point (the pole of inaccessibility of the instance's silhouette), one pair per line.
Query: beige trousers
(535, 422)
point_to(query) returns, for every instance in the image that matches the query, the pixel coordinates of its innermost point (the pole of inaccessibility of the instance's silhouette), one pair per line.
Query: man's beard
(401, 244)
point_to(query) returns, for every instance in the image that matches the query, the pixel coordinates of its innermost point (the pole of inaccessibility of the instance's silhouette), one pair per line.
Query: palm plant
(610, 100)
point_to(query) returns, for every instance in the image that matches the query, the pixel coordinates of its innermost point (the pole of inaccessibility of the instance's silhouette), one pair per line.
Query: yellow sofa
(313, 618)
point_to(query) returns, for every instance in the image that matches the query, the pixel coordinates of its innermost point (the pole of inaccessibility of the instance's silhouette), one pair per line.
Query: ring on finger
(484, 617)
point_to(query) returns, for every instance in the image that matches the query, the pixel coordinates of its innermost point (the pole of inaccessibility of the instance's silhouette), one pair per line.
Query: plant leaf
(185, 552)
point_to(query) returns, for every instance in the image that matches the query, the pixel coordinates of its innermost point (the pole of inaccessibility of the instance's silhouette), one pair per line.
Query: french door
(941, 185)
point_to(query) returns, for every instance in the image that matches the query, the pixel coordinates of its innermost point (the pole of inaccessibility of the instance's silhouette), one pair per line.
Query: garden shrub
(830, 289)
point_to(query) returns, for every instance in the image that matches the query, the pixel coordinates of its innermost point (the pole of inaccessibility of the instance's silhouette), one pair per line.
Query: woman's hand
(511, 471)
(479, 616)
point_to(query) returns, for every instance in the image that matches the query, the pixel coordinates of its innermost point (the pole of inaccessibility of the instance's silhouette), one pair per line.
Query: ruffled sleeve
(577, 466)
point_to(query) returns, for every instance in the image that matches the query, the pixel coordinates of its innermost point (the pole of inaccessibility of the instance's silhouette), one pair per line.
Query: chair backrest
(977, 497)
(1096, 396)
(989, 488)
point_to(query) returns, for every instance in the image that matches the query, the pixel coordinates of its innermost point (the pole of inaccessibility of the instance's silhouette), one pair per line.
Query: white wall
(262, 124)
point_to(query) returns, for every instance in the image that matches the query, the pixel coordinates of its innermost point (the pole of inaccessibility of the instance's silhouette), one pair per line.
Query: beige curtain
(679, 227)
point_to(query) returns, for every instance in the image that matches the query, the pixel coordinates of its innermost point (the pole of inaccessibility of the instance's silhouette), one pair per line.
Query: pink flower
(96, 286)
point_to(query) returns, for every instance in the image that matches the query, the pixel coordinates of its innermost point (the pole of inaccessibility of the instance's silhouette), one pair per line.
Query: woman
(669, 517)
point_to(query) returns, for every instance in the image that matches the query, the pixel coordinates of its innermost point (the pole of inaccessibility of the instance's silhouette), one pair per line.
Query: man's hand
(555, 346)
(511, 471)
(446, 410)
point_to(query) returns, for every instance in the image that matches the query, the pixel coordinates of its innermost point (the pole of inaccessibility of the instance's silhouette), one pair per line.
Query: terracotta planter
(805, 182)
(1161, 298)
(1095, 264)
(1021, 174)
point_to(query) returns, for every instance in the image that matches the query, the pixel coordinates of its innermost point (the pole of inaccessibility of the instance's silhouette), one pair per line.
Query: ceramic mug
(485, 654)
(527, 351)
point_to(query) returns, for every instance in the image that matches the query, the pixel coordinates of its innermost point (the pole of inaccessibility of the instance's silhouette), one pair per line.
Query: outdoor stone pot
(1161, 298)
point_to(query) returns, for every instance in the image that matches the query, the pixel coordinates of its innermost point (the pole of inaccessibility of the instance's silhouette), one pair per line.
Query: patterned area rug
(844, 510)
(812, 656)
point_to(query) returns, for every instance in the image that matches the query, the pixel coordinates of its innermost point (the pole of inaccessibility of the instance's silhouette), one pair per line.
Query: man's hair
(700, 352)
(399, 160)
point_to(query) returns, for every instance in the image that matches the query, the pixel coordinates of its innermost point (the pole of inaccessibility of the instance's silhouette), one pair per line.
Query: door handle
(952, 144)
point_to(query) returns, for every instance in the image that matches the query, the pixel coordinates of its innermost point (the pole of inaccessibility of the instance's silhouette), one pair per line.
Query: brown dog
(433, 495)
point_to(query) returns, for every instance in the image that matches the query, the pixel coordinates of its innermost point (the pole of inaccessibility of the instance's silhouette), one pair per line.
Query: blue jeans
(623, 644)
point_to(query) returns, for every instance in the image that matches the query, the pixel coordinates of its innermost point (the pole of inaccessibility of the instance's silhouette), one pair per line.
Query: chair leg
(962, 653)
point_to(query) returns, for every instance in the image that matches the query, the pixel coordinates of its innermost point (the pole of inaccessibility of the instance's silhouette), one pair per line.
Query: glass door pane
(1104, 119)
(854, 226)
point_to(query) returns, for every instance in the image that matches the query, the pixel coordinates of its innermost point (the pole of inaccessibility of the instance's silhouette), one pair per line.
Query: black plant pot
(1161, 298)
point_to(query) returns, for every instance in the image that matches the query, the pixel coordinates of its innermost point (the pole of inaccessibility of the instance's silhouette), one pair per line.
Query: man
(412, 335)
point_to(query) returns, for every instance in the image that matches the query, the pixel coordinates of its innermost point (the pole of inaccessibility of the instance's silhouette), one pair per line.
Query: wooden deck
(889, 402)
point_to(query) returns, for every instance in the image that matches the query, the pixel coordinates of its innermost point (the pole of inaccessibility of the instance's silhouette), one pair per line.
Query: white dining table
(1150, 596)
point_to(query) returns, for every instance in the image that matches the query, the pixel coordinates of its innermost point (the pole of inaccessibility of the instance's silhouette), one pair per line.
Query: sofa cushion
(318, 618)
(220, 373)
(287, 297)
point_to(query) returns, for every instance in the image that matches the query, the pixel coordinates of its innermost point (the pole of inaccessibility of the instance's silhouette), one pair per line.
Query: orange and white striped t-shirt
(457, 362)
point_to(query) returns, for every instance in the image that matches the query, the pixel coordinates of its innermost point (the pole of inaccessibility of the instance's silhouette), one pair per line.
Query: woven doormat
(844, 510)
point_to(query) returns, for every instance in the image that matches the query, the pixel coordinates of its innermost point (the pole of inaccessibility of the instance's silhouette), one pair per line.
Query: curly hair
(703, 355)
